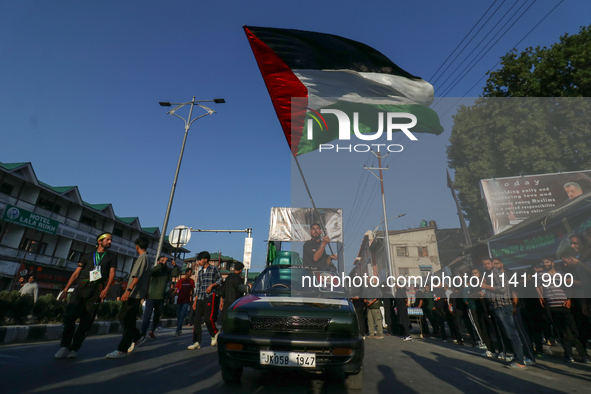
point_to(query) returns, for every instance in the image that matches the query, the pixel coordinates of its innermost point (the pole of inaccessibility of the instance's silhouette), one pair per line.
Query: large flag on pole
(332, 72)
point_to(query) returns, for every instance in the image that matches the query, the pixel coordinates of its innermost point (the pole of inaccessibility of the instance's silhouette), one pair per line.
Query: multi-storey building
(44, 230)
(414, 252)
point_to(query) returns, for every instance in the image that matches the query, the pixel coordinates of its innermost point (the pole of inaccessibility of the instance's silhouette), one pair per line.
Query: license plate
(288, 359)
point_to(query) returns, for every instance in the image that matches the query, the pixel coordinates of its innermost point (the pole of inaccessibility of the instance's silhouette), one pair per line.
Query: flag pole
(312, 200)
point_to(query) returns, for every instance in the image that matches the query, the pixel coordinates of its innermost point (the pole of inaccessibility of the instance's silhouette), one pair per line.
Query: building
(45, 230)
(224, 263)
(414, 252)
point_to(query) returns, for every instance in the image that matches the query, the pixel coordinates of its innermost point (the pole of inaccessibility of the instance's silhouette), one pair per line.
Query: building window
(118, 231)
(32, 246)
(423, 251)
(49, 205)
(401, 251)
(6, 188)
(88, 220)
(403, 272)
(75, 256)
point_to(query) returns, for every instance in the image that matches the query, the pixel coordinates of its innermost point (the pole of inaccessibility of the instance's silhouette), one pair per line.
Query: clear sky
(81, 82)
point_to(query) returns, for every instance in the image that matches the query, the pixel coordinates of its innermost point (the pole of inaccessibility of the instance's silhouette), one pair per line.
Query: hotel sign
(29, 219)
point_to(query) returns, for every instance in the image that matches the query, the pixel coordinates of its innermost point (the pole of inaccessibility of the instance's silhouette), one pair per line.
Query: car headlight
(236, 322)
(344, 324)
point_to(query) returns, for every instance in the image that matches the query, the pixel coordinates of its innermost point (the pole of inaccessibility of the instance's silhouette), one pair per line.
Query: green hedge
(49, 310)
(14, 305)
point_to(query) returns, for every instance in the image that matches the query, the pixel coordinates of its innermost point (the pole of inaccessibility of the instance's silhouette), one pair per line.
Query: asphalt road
(165, 365)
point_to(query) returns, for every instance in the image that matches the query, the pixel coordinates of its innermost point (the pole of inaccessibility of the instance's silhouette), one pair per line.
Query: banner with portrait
(511, 200)
(293, 224)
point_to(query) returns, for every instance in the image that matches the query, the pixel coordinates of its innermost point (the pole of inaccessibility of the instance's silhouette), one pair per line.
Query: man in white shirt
(31, 288)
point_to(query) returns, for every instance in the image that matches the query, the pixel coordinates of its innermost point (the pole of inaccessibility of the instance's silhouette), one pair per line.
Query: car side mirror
(243, 288)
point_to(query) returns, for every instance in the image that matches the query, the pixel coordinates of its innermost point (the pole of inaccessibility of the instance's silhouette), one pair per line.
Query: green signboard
(29, 219)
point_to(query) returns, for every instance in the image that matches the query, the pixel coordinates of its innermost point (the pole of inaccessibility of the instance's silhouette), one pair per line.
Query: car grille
(289, 323)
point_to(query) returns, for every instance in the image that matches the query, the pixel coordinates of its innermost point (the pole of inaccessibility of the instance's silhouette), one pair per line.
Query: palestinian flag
(307, 71)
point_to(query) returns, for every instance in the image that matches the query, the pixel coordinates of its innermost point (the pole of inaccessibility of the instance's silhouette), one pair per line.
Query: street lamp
(382, 222)
(188, 123)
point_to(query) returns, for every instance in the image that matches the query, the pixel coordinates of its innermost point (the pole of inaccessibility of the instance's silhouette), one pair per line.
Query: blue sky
(81, 82)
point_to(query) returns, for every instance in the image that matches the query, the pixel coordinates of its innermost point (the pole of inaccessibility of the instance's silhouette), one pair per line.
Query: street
(165, 365)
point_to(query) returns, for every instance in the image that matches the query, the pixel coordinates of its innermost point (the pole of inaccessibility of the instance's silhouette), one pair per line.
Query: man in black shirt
(115, 291)
(314, 253)
(95, 275)
(230, 290)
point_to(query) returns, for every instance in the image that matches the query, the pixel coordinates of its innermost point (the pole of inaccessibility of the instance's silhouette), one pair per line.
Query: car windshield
(298, 281)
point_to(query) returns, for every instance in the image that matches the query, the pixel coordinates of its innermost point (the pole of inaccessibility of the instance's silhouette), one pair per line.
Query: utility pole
(390, 268)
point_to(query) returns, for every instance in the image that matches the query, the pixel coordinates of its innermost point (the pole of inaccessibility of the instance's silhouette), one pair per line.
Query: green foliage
(509, 136)
(563, 70)
(7, 301)
(48, 310)
(14, 305)
(169, 311)
(108, 310)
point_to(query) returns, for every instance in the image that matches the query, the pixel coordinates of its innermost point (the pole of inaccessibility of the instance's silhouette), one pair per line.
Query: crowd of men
(94, 278)
(543, 304)
(500, 317)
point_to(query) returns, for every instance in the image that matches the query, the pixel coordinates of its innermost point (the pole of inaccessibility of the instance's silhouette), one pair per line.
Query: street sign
(29, 219)
(247, 253)
(179, 236)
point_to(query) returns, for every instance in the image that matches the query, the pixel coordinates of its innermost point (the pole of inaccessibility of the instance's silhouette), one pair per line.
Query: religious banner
(512, 200)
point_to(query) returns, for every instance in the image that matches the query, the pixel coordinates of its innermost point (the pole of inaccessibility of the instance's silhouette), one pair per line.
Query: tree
(505, 134)
(563, 70)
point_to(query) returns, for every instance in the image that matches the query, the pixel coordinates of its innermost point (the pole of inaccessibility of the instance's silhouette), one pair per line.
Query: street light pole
(382, 222)
(188, 122)
(390, 268)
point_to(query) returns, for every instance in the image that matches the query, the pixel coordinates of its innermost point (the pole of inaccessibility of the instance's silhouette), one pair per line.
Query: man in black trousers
(95, 274)
(230, 290)
(136, 291)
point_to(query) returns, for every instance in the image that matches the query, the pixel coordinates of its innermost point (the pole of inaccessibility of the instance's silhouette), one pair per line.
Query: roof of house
(25, 171)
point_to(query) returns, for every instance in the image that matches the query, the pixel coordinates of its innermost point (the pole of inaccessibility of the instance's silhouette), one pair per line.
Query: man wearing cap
(95, 275)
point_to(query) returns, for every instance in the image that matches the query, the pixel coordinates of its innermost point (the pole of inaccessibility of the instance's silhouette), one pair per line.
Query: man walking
(230, 291)
(184, 288)
(95, 274)
(559, 306)
(160, 276)
(136, 290)
(205, 300)
(501, 301)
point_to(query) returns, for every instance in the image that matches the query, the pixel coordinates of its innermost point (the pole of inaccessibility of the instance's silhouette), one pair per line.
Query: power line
(462, 73)
(466, 36)
(514, 46)
(468, 43)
